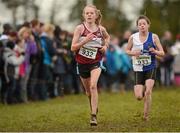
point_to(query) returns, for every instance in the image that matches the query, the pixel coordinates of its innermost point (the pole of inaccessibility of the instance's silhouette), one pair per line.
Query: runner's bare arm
(106, 39)
(75, 41)
(159, 51)
(129, 47)
(106, 36)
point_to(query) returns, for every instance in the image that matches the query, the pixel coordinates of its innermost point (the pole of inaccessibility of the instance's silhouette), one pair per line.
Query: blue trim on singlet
(149, 44)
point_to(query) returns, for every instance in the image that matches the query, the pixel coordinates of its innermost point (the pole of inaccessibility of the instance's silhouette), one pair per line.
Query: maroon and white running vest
(89, 53)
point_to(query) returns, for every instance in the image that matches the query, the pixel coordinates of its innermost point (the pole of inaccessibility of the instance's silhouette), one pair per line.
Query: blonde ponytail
(99, 16)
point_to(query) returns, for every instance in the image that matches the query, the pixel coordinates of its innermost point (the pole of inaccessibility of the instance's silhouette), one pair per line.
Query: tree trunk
(25, 12)
(14, 12)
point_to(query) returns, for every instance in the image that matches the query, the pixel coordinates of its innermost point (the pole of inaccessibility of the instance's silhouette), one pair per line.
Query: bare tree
(29, 7)
(53, 11)
(164, 15)
(13, 5)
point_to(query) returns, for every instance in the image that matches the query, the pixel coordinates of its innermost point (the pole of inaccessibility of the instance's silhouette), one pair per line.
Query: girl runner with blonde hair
(90, 42)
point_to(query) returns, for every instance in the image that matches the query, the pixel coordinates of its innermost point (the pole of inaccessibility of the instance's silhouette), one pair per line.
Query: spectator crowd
(36, 63)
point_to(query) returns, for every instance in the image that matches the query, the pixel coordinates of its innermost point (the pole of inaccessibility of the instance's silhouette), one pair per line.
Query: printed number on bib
(88, 52)
(144, 60)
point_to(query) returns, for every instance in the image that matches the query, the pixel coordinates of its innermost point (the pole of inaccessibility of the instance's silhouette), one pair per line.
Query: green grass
(117, 112)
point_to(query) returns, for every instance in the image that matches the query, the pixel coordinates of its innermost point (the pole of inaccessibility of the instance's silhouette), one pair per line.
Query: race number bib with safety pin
(144, 60)
(88, 52)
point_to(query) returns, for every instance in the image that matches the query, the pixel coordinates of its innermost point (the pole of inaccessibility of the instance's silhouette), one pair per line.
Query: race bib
(143, 60)
(88, 52)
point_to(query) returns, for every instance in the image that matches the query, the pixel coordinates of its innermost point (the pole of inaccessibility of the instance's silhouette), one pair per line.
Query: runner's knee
(148, 92)
(93, 88)
(139, 97)
(88, 93)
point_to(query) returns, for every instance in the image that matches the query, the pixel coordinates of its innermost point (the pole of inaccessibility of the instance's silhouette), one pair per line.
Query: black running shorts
(84, 69)
(141, 77)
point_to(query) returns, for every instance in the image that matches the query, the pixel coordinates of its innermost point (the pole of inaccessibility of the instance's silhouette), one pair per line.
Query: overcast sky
(130, 7)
